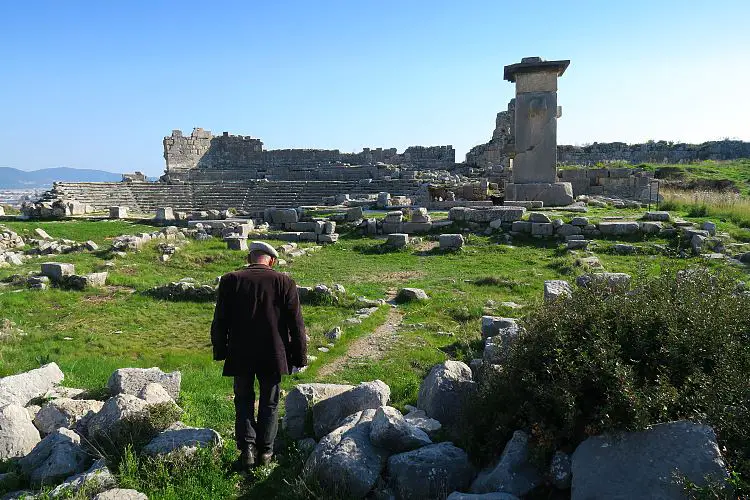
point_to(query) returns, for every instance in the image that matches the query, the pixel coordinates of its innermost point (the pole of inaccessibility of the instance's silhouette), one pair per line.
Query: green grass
(90, 334)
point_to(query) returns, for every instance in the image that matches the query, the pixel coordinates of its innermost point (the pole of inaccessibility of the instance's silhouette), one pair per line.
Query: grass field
(90, 334)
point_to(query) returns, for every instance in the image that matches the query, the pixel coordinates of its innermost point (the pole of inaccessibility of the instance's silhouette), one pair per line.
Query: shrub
(676, 347)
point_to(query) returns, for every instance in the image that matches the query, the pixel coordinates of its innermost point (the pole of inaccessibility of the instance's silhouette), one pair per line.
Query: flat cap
(261, 246)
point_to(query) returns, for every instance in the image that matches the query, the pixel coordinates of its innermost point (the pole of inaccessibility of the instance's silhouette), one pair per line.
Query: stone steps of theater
(243, 195)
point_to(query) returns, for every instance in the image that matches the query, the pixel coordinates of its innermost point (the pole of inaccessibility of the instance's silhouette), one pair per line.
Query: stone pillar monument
(535, 129)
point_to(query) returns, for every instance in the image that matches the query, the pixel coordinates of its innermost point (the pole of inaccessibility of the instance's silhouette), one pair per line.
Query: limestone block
(551, 194)
(118, 212)
(641, 464)
(710, 227)
(389, 430)
(345, 461)
(328, 238)
(429, 472)
(308, 236)
(329, 227)
(577, 244)
(568, 230)
(555, 289)
(451, 241)
(397, 240)
(235, 243)
(539, 217)
(657, 216)
(354, 213)
(444, 392)
(410, 294)
(619, 228)
(57, 270)
(18, 436)
(521, 226)
(288, 236)
(494, 325)
(133, 380)
(164, 214)
(121, 494)
(284, 215)
(580, 221)
(651, 227)
(299, 402)
(384, 200)
(542, 229)
(416, 227)
(56, 457)
(21, 388)
(64, 412)
(390, 228)
(183, 439)
(505, 213)
(328, 413)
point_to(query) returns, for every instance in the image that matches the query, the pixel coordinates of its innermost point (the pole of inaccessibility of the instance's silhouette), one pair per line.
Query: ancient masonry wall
(203, 150)
(629, 183)
(652, 152)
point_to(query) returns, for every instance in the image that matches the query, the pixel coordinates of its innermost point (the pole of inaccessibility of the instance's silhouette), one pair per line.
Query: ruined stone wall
(628, 183)
(496, 154)
(652, 152)
(203, 151)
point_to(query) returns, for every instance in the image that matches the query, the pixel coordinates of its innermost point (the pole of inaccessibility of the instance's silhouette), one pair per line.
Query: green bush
(676, 347)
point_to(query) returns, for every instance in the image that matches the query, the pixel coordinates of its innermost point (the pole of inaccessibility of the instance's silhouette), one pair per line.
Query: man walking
(259, 333)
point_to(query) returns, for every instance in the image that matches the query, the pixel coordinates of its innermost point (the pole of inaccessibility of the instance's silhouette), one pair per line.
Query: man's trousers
(249, 430)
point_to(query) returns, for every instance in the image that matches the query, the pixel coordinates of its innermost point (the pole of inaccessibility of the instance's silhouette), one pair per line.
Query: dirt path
(369, 347)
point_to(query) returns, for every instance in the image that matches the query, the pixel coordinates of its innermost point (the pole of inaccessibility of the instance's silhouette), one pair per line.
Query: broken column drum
(535, 130)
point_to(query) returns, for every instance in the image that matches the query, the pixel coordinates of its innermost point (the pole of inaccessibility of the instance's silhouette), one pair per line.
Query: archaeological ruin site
(536, 321)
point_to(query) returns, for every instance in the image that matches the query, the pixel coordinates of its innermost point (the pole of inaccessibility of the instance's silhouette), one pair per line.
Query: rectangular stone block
(416, 227)
(521, 226)
(329, 227)
(118, 212)
(308, 236)
(234, 243)
(389, 227)
(164, 213)
(288, 236)
(551, 194)
(328, 238)
(56, 270)
(542, 229)
(619, 228)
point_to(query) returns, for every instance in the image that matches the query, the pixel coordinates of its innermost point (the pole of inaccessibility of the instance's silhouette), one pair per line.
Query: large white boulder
(299, 402)
(443, 392)
(22, 388)
(345, 461)
(18, 436)
(391, 431)
(183, 439)
(64, 412)
(328, 413)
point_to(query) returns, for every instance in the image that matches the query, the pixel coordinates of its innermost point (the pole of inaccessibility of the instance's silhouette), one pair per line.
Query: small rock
(411, 294)
(391, 431)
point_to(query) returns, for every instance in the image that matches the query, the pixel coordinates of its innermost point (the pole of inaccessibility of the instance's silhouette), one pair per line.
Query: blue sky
(98, 84)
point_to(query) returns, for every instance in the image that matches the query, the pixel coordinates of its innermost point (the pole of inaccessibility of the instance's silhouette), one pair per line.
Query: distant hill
(11, 178)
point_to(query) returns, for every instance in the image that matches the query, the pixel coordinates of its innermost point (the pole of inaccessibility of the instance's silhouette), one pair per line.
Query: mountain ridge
(13, 178)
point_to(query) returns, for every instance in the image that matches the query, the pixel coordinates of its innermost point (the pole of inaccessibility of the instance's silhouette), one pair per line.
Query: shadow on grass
(464, 349)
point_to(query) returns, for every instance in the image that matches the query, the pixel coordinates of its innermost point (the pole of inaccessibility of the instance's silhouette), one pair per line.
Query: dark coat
(257, 326)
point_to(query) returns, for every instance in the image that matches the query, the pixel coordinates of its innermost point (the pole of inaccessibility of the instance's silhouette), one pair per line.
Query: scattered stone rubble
(55, 445)
(367, 448)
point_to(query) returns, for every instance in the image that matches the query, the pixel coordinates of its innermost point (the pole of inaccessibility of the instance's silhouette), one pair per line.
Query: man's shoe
(265, 459)
(246, 461)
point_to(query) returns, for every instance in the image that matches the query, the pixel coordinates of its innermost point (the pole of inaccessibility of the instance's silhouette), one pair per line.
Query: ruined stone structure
(652, 152)
(627, 183)
(494, 156)
(205, 157)
(534, 176)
